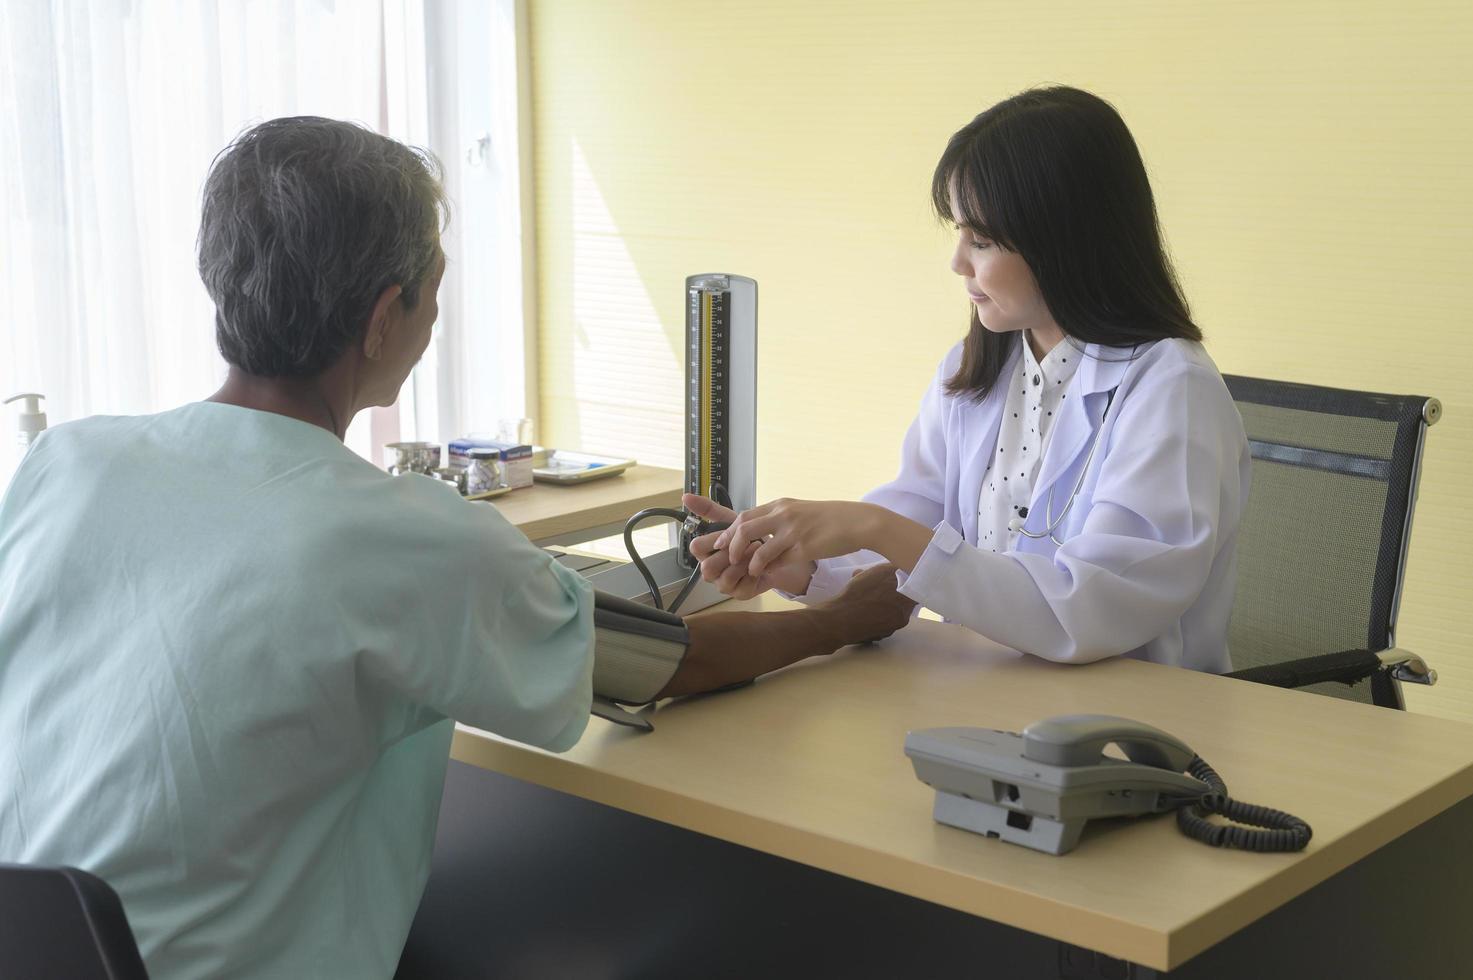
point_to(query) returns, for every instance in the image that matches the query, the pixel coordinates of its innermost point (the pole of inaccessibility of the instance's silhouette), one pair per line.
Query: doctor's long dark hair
(1054, 175)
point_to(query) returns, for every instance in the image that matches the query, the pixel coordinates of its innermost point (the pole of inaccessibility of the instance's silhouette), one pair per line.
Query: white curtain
(110, 114)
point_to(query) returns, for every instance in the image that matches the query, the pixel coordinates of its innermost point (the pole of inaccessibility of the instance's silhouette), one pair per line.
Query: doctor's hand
(788, 533)
(733, 579)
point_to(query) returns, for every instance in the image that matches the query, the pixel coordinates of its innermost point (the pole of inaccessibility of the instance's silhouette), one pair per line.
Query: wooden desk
(808, 765)
(550, 514)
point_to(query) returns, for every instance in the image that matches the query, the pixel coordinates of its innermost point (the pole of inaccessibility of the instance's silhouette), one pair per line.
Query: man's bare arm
(730, 647)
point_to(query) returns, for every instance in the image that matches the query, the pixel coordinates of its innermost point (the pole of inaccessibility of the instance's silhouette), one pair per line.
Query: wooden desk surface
(544, 511)
(808, 764)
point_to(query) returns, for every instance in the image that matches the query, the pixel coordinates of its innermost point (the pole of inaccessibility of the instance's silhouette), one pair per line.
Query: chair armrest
(1347, 667)
(1407, 667)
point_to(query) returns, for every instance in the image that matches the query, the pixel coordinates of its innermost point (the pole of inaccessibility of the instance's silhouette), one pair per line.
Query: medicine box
(516, 461)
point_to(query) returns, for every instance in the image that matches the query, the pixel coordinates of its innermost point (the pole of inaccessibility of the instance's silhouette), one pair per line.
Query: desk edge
(1206, 931)
(1023, 910)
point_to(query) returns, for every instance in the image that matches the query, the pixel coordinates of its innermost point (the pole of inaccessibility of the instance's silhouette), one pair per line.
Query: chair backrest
(61, 922)
(1324, 538)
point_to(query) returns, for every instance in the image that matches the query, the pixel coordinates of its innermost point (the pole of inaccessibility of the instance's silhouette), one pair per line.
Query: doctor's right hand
(733, 579)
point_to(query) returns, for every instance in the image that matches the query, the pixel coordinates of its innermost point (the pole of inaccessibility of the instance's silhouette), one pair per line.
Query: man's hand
(729, 647)
(870, 607)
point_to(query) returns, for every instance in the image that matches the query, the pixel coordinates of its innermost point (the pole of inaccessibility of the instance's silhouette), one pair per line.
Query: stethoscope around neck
(1051, 523)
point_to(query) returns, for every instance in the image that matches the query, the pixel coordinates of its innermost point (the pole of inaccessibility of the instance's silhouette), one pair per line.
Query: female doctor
(1073, 484)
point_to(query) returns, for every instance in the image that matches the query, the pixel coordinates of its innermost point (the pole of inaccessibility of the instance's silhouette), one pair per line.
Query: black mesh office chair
(61, 922)
(1323, 543)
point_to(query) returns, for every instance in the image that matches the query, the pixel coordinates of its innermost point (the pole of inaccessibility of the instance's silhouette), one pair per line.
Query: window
(109, 117)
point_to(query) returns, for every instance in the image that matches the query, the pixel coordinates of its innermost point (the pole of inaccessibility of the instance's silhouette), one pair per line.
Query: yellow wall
(1310, 162)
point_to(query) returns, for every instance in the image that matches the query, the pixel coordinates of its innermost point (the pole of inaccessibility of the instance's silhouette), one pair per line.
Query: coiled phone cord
(718, 494)
(1285, 832)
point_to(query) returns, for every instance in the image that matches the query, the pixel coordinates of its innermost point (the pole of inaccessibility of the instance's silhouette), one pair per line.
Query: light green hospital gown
(229, 648)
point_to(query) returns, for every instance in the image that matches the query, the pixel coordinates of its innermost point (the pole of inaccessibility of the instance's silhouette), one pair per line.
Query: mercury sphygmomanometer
(720, 463)
(720, 443)
(1039, 788)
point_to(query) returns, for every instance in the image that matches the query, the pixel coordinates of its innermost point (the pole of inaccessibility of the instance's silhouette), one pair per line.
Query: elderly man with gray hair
(231, 649)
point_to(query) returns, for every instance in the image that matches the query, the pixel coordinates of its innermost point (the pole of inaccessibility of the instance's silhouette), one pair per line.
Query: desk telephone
(1040, 787)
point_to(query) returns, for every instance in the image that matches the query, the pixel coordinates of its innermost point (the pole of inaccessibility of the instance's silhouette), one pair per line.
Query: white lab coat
(1147, 564)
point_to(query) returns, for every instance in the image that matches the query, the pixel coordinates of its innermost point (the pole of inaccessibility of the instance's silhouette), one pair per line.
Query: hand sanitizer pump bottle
(32, 419)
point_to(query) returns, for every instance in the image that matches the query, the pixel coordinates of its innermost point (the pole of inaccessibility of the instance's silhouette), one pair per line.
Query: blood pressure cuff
(637, 649)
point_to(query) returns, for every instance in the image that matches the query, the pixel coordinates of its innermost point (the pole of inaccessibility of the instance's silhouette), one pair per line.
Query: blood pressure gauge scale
(721, 389)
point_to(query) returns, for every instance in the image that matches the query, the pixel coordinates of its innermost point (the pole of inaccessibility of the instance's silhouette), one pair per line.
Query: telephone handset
(1080, 740)
(1039, 788)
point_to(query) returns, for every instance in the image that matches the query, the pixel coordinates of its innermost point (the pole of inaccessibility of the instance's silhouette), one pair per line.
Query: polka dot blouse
(1036, 390)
